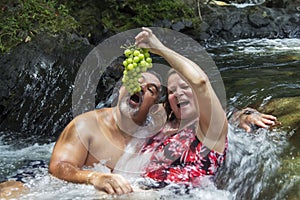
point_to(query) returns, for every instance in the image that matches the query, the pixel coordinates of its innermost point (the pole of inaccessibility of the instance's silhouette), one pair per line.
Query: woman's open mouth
(182, 104)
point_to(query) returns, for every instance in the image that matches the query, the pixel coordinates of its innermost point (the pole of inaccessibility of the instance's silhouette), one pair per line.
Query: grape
(141, 56)
(130, 66)
(136, 52)
(143, 63)
(137, 60)
(125, 63)
(129, 60)
(127, 52)
(149, 60)
(146, 54)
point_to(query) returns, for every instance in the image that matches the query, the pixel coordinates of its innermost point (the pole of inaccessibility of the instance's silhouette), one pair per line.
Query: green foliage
(125, 14)
(22, 19)
(26, 18)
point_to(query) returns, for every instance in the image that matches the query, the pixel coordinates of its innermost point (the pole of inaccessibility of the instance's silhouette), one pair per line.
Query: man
(102, 135)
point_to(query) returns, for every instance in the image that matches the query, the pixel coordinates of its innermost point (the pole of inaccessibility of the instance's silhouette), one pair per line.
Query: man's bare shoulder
(93, 115)
(87, 124)
(104, 111)
(92, 118)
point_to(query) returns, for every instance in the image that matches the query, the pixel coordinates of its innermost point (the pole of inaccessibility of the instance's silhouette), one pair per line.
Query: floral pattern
(180, 157)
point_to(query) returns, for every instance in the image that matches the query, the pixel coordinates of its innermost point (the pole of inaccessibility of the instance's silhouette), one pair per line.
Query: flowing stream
(263, 165)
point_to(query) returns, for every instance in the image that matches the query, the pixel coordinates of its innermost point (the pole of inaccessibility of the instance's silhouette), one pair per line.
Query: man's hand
(110, 183)
(249, 117)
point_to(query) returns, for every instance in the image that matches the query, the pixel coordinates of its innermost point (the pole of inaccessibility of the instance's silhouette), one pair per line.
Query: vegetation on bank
(21, 20)
(132, 13)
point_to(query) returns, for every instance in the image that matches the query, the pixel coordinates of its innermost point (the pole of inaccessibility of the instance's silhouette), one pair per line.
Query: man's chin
(128, 109)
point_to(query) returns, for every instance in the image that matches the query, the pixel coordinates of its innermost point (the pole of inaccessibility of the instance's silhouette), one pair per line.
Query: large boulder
(36, 80)
(287, 110)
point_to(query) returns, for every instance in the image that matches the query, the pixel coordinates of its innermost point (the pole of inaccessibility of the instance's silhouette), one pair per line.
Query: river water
(263, 165)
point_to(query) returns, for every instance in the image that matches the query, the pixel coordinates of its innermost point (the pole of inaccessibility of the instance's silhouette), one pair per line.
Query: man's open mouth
(135, 100)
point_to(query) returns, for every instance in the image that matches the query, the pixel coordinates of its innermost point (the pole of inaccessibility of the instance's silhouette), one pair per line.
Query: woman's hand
(146, 39)
(110, 183)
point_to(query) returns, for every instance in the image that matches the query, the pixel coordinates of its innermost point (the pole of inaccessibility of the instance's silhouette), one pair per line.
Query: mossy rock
(287, 111)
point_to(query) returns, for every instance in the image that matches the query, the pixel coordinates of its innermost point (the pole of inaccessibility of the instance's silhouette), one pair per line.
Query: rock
(36, 81)
(178, 26)
(231, 23)
(258, 19)
(287, 110)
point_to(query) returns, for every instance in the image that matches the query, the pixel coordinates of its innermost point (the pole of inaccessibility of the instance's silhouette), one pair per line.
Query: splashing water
(132, 162)
(247, 3)
(251, 166)
(253, 160)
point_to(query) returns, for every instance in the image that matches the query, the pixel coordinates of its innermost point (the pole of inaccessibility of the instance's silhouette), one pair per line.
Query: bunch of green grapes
(137, 61)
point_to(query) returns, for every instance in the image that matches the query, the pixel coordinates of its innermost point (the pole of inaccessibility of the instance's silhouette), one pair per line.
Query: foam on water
(248, 3)
(264, 46)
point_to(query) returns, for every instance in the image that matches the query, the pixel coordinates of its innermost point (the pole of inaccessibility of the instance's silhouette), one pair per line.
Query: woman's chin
(187, 116)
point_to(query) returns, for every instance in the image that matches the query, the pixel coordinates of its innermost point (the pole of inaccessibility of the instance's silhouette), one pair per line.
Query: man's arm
(249, 117)
(69, 156)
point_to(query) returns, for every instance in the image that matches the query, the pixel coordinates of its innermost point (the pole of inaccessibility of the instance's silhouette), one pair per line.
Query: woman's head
(180, 102)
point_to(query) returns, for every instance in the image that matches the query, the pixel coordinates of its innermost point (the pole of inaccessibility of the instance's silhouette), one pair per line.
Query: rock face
(36, 85)
(231, 23)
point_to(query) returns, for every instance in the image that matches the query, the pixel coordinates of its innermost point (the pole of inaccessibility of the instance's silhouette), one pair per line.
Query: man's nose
(143, 87)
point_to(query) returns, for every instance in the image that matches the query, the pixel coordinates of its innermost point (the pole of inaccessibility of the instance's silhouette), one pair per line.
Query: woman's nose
(178, 92)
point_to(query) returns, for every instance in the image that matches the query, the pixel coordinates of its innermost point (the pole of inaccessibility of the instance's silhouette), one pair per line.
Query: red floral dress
(180, 158)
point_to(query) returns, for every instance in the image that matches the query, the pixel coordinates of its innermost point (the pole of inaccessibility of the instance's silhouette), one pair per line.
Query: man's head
(137, 106)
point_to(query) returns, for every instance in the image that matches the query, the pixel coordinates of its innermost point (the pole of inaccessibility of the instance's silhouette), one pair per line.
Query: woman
(179, 153)
(193, 142)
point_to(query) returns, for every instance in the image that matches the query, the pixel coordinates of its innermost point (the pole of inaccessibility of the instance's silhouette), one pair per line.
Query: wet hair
(167, 106)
